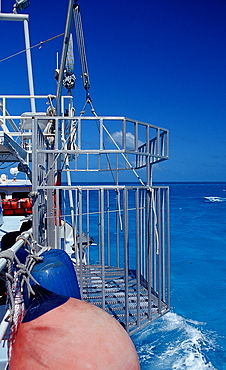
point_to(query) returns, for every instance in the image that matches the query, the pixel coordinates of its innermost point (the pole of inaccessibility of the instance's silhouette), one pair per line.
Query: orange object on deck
(73, 336)
(17, 206)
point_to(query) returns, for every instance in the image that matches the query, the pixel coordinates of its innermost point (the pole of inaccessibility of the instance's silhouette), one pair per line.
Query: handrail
(19, 243)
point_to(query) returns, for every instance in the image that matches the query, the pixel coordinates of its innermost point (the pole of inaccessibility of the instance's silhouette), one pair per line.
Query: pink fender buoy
(75, 335)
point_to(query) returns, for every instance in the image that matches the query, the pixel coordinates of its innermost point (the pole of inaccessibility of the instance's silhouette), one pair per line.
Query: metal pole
(13, 17)
(138, 255)
(168, 247)
(35, 144)
(64, 55)
(102, 230)
(24, 18)
(61, 75)
(29, 65)
(126, 256)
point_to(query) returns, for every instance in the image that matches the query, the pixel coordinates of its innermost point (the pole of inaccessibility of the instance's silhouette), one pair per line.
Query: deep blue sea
(193, 335)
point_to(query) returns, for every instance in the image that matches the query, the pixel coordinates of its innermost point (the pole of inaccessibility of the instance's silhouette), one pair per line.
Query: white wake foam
(215, 199)
(174, 344)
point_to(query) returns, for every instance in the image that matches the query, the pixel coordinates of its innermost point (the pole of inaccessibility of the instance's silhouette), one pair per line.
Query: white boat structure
(117, 235)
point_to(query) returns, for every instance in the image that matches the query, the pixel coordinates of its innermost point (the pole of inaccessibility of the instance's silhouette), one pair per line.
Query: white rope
(17, 274)
(156, 232)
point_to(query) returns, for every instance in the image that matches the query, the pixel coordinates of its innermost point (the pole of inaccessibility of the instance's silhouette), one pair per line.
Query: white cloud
(117, 136)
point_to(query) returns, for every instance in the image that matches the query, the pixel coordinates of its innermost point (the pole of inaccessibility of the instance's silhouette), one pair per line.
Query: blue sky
(162, 62)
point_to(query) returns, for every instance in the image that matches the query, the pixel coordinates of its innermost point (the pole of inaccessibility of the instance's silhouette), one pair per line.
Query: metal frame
(127, 272)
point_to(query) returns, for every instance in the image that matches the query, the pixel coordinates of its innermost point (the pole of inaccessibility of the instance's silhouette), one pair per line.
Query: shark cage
(117, 233)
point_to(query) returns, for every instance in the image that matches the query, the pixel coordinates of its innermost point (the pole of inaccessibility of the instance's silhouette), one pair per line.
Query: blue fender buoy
(57, 274)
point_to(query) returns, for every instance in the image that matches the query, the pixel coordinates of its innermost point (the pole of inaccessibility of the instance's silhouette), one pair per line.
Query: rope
(9, 256)
(15, 317)
(123, 155)
(23, 271)
(16, 275)
(64, 144)
(155, 220)
(71, 138)
(81, 48)
(34, 46)
(88, 101)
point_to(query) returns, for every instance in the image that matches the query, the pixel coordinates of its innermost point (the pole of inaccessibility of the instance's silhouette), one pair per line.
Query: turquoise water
(193, 335)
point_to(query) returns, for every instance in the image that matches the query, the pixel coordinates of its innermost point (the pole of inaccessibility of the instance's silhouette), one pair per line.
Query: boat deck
(128, 303)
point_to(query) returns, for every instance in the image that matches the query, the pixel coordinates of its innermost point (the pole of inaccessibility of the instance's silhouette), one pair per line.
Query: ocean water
(193, 335)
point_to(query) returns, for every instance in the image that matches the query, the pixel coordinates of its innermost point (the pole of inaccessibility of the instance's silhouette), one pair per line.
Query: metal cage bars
(127, 270)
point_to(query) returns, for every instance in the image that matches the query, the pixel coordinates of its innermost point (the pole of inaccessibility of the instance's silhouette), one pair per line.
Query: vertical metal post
(80, 243)
(29, 65)
(141, 218)
(101, 143)
(126, 256)
(136, 136)
(163, 209)
(57, 210)
(102, 246)
(138, 255)
(148, 159)
(149, 248)
(150, 232)
(75, 223)
(167, 144)
(35, 221)
(158, 141)
(159, 254)
(168, 249)
(64, 195)
(79, 133)
(99, 226)
(24, 18)
(108, 229)
(87, 161)
(88, 221)
(117, 167)
(4, 114)
(57, 220)
(118, 218)
(50, 202)
(124, 134)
